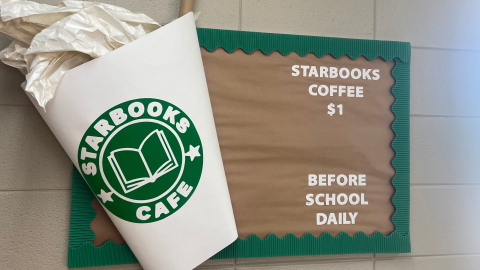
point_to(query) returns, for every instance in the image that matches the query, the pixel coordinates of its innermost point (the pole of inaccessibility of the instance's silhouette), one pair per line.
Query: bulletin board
(314, 134)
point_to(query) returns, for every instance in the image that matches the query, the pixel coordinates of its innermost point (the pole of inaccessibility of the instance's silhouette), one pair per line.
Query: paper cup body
(164, 67)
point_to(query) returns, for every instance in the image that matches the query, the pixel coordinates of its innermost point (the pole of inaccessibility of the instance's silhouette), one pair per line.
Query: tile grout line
(374, 19)
(427, 256)
(445, 49)
(446, 116)
(33, 190)
(322, 261)
(302, 262)
(446, 185)
(239, 15)
(17, 105)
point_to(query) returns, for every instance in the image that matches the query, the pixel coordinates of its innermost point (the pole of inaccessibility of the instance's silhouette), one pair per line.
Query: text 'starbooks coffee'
(135, 168)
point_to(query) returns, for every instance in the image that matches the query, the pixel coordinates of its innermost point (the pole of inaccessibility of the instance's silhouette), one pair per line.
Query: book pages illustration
(147, 171)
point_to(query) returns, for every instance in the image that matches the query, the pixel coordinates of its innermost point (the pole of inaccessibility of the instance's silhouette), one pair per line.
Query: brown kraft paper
(273, 134)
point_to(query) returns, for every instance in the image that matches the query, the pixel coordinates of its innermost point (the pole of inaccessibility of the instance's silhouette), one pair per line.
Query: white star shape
(193, 152)
(105, 196)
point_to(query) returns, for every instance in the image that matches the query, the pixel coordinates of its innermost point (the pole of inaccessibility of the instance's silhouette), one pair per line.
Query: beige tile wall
(445, 131)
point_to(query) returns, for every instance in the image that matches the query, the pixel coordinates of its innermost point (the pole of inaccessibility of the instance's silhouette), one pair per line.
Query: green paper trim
(401, 146)
(83, 254)
(325, 244)
(81, 211)
(88, 255)
(212, 39)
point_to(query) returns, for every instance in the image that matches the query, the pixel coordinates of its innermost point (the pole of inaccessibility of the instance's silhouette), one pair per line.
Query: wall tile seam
(444, 49)
(426, 186)
(442, 116)
(215, 267)
(407, 256)
(17, 105)
(303, 262)
(33, 190)
(374, 19)
(240, 7)
(375, 258)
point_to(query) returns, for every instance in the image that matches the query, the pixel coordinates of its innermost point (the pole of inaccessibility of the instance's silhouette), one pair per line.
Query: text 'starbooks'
(151, 160)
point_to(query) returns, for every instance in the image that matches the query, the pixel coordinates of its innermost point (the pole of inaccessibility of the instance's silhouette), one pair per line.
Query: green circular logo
(142, 158)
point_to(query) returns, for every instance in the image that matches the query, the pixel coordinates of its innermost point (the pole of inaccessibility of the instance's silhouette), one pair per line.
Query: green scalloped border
(230, 40)
(83, 254)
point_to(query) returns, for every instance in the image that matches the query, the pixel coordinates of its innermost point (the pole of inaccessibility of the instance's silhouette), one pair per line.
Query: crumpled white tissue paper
(50, 40)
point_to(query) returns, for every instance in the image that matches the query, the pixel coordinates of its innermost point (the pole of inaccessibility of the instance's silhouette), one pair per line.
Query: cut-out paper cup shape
(138, 125)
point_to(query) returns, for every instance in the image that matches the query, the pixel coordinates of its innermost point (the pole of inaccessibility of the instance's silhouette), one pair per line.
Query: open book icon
(135, 168)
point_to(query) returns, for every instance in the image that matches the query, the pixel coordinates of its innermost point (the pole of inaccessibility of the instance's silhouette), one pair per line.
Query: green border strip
(83, 254)
(212, 39)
